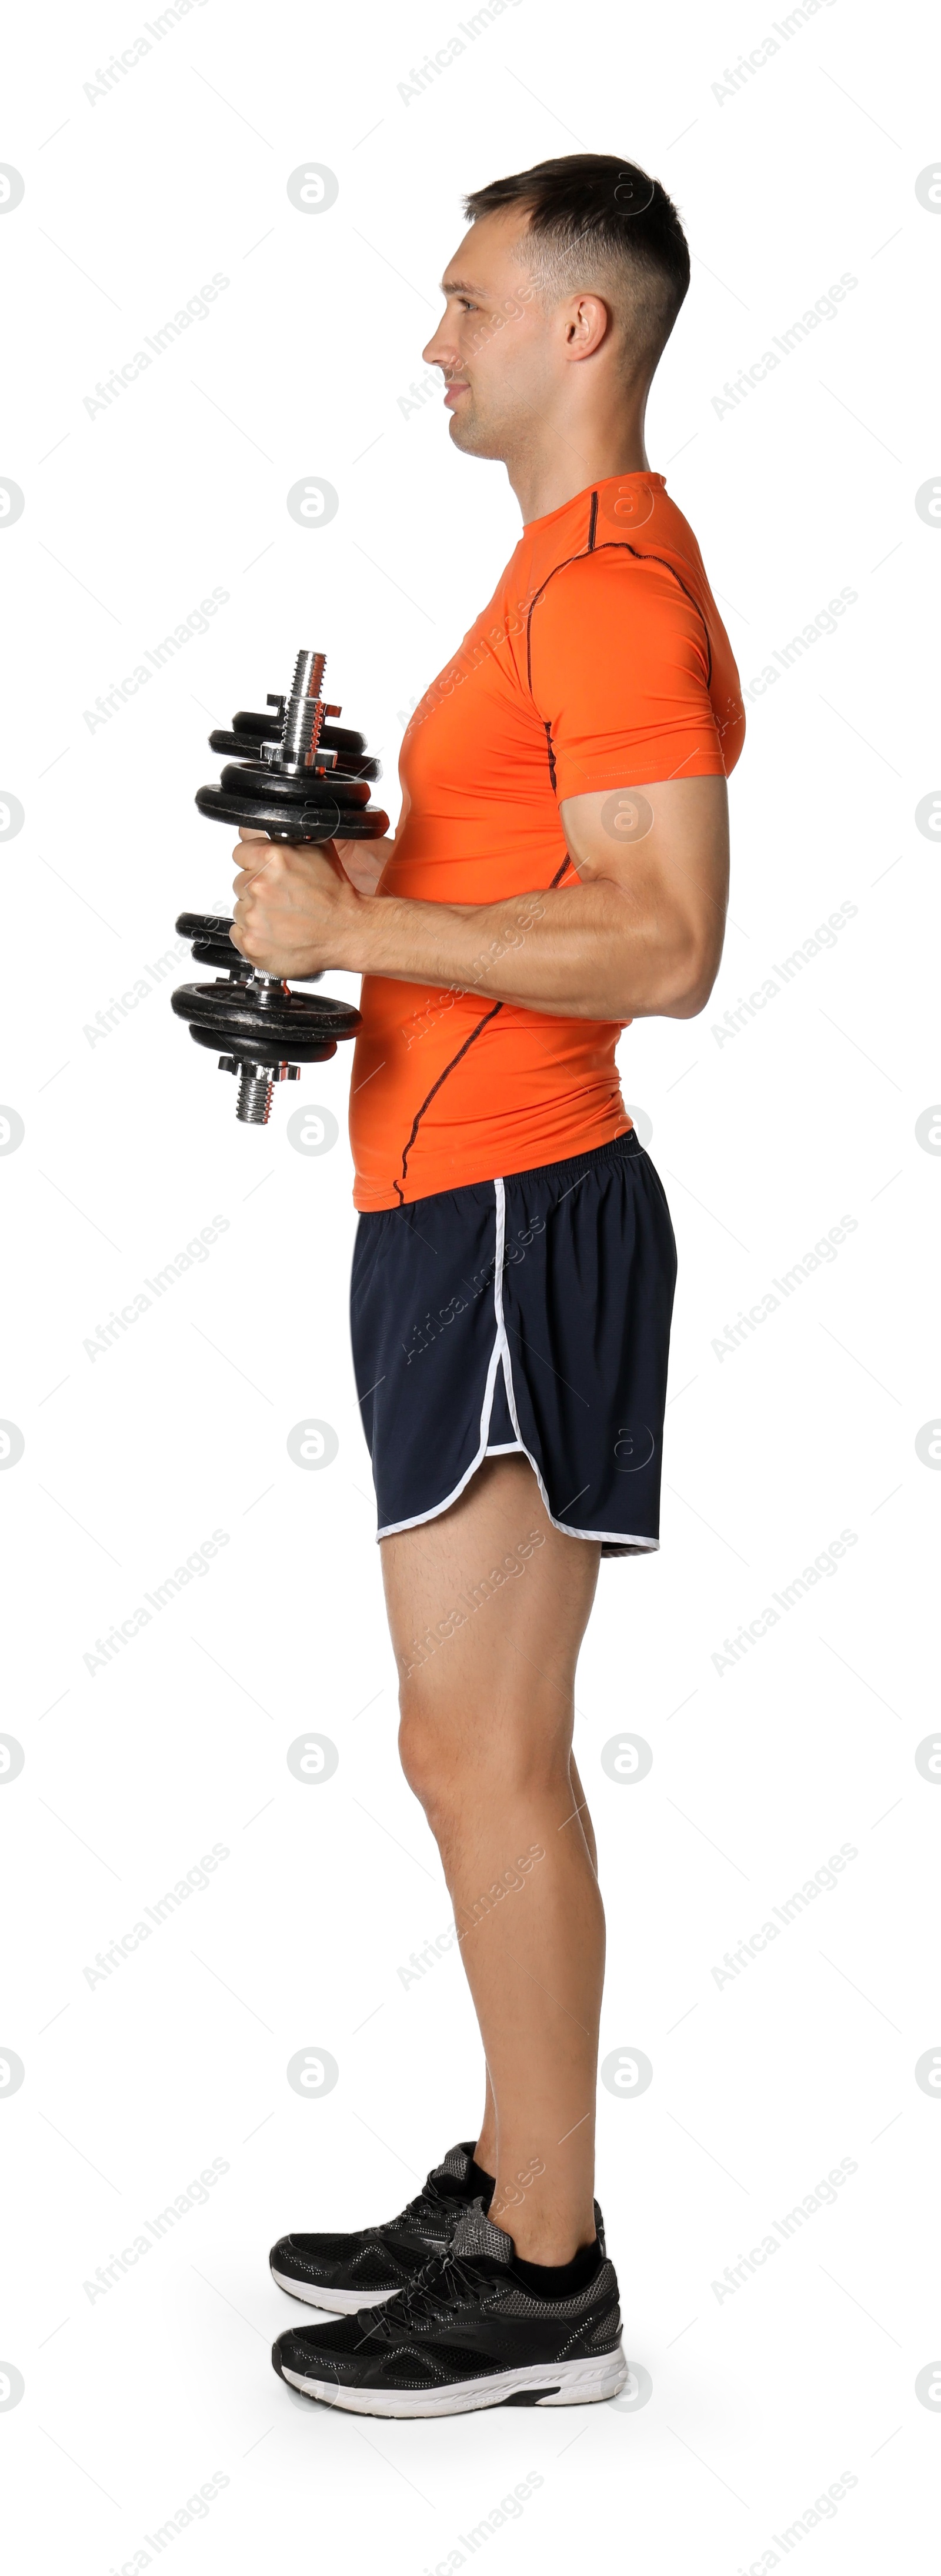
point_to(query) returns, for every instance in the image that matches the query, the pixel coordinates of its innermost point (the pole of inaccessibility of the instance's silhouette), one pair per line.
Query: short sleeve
(620, 664)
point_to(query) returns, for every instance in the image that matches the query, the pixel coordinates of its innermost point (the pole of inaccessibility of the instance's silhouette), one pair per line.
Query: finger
(253, 859)
(253, 850)
(250, 832)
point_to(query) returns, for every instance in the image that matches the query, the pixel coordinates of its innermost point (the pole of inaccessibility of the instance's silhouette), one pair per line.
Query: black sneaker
(468, 2333)
(346, 2273)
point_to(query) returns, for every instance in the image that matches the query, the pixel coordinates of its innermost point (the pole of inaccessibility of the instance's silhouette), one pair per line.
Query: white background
(134, 2398)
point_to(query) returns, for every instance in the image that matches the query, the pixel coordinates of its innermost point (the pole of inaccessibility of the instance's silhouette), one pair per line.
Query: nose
(440, 350)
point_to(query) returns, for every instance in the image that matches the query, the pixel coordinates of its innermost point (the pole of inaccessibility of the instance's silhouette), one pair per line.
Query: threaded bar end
(309, 669)
(256, 1086)
(303, 714)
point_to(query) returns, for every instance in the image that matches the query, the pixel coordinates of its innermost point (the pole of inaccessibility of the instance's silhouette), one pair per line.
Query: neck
(563, 459)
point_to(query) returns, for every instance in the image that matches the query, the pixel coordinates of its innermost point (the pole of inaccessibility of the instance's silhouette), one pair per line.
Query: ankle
(554, 2246)
(552, 2235)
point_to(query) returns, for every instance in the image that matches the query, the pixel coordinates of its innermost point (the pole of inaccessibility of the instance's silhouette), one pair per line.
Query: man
(559, 869)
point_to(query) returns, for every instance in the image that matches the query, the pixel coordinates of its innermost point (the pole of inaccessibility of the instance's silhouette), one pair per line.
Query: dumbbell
(299, 778)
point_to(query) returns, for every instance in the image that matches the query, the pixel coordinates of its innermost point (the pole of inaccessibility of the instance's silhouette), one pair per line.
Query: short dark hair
(592, 211)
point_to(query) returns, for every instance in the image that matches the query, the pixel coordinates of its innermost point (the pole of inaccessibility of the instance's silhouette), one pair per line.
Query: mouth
(452, 393)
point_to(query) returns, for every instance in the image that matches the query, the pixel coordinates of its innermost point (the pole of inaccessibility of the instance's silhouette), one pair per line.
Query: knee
(459, 1759)
(425, 1753)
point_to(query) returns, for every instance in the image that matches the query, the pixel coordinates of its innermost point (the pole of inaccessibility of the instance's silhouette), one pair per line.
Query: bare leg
(488, 1671)
(486, 2147)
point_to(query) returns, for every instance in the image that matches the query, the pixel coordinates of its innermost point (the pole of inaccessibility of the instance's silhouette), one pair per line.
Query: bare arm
(640, 935)
(364, 861)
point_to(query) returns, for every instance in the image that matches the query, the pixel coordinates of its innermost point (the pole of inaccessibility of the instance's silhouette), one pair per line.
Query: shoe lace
(426, 2201)
(443, 2282)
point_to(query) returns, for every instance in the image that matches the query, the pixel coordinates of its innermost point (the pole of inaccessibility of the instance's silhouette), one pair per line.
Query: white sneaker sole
(569, 2383)
(338, 2303)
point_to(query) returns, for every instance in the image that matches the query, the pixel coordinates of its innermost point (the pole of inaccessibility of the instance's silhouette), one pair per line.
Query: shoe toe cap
(305, 2258)
(327, 2353)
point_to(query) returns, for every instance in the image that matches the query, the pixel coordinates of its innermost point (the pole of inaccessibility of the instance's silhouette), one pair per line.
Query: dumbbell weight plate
(281, 787)
(322, 822)
(205, 925)
(224, 959)
(253, 729)
(209, 932)
(312, 811)
(279, 1030)
(249, 1051)
(351, 764)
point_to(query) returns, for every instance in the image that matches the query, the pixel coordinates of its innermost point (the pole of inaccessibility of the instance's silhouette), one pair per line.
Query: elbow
(693, 998)
(690, 985)
(674, 974)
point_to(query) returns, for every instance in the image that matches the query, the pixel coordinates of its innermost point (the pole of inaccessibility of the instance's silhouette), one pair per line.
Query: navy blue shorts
(529, 1314)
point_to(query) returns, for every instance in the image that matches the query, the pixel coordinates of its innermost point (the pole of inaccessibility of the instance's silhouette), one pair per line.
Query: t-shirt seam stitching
(614, 545)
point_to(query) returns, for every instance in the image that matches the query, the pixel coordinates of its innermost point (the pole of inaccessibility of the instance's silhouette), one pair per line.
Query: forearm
(588, 952)
(640, 934)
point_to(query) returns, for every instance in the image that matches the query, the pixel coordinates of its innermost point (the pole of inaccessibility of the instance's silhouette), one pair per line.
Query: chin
(471, 436)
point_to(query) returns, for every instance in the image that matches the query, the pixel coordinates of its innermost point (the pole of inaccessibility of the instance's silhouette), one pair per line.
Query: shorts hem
(625, 1541)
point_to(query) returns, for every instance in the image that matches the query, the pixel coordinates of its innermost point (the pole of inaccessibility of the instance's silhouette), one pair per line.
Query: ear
(587, 325)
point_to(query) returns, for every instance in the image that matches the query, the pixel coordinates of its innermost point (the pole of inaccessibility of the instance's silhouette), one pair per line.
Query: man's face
(499, 347)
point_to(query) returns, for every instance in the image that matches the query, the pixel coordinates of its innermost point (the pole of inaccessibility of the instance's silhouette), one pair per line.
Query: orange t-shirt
(601, 661)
